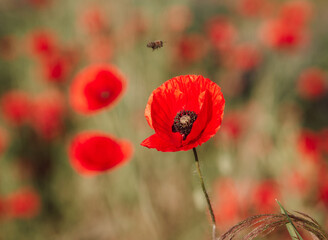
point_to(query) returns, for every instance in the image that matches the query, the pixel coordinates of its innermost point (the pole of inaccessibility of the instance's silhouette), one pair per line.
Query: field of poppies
(100, 133)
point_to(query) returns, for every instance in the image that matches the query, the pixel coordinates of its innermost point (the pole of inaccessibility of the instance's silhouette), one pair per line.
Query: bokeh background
(268, 56)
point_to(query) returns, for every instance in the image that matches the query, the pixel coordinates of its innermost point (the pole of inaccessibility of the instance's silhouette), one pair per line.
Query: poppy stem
(205, 193)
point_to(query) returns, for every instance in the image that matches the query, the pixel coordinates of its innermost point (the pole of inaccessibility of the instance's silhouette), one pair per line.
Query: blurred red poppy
(282, 35)
(190, 48)
(93, 19)
(185, 112)
(323, 193)
(233, 125)
(264, 197)
(322, 184)
(242, 57)
(297, 181)
(296, 12)
(177, 18)
(43, 43)
(96, 87)
(56, 68)
(16, 107)
(324, 140)
(312, 83)
(221, 33)
(95, 152)
(48, 114)
(227, 205)
(2, 207)
(24, 203)
(254, 8)
(308, 144)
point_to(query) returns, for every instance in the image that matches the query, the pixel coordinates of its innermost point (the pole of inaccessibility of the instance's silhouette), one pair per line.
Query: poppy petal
(162, 120)
(160, 144)
(148, 111)
(203, 117)
(127, 149)
(94, 152)
(217, 114)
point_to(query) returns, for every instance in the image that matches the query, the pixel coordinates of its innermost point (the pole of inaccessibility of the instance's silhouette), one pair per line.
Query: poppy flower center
(104, 94)
(183, 122)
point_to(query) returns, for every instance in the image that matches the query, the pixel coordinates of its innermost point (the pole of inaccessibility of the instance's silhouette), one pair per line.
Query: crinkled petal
(160, 144)
(148, 111)
(203, 117)
(164, 109)
(216, 116)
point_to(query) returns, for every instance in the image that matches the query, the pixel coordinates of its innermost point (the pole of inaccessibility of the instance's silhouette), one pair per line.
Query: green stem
(294, 234)
(205, 192)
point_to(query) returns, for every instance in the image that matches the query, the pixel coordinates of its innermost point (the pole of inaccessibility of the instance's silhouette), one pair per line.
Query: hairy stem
(205, 193)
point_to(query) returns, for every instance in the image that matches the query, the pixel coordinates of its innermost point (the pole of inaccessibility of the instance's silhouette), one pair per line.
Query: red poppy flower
(242, 57)
(2, 207)
(96, 87)
(297, 181)
(312, 83)
(309, 145)
(227, 208)
(190, 48)
(322, 185)
(177, 18)
(185, 112)
(24, 203)
(324, 140)
(94, 152)
(221, 33)
(48, 114)
(232, 125)
(93, 19)
(254, 8)
(282, 35)
(43, 43)
(56, 68)
(296, 12)
(264, 196)
(323, 193)
(16, 107)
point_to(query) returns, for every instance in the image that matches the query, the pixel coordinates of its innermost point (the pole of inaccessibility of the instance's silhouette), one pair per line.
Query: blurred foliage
(263, 150)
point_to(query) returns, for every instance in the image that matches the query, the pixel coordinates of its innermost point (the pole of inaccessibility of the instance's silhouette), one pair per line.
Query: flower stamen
(183, 122)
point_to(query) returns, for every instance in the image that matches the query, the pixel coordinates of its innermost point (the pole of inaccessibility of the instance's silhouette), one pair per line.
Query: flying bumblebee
(155, 45)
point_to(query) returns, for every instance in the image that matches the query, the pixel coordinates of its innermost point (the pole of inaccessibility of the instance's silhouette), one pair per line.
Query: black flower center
(183, 122)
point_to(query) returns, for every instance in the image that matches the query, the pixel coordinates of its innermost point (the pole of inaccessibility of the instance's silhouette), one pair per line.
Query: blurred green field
(257, 155)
